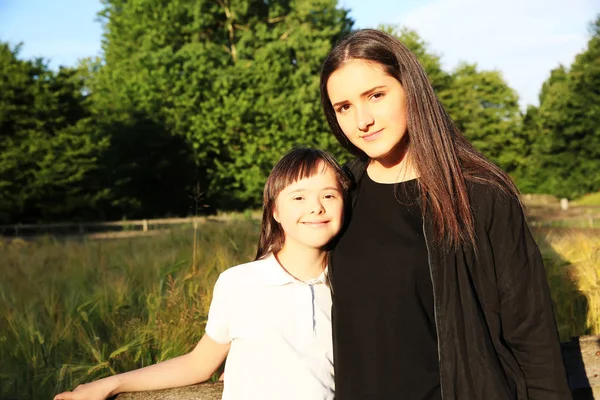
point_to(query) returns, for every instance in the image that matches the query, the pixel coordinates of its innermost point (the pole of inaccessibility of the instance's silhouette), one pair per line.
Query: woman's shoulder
(489, 192)
(355, 168)
(493, 201)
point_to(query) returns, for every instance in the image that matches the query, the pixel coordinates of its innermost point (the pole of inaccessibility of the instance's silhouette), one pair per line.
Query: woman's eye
(329, 196)
(343, 108)
(377, 96)
(298, 198)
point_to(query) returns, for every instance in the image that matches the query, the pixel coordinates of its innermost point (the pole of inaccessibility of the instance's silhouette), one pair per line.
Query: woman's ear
(275, 216)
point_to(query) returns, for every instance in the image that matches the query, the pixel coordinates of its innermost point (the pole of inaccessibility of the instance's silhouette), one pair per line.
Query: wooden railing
(75, 228)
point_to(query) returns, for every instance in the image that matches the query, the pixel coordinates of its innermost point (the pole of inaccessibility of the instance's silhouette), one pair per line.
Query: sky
(523, 39)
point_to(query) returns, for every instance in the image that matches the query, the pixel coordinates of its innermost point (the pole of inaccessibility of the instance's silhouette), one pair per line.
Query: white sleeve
(217, 326)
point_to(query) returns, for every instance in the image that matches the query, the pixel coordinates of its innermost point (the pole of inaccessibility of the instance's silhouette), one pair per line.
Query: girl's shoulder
(261, 272)
(243, 274)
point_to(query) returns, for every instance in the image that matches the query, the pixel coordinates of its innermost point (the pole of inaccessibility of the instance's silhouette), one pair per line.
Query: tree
(483, 106)
(486, 110)
(565, 157)
(238, 80)
(45, 158)
(430, 61)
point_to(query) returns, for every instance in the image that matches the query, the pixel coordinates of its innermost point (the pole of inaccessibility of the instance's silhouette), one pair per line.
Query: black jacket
(497, 336)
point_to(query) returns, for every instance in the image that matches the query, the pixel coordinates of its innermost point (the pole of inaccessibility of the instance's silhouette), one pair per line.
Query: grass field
(76, 310)
(72, 311)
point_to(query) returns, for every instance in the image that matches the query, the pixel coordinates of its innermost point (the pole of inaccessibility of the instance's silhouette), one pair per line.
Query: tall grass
(74, 311)
(573, 267)
(590, 199)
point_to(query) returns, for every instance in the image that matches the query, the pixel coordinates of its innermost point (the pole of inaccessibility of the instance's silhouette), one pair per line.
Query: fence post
(145, 225)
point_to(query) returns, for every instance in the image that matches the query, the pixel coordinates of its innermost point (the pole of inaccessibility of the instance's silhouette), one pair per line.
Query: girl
(275, 310)
(439, 288)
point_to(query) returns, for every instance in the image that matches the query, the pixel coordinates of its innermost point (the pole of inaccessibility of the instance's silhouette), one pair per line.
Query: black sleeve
(527, 317)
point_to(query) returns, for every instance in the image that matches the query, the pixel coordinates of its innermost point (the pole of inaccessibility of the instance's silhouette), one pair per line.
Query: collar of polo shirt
(275, 275)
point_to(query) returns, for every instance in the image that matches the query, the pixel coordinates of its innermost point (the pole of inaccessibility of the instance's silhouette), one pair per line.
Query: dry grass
(72, 311)
(575, 256)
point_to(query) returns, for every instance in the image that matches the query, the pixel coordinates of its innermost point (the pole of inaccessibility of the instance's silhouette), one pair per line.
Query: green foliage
(565, 130)
(205, 96)
(481, 103)
(46, 154)
(238, 81)
(486, 110)
(440, 79)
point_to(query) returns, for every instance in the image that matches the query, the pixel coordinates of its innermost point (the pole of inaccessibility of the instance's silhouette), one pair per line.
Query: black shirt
(385, 335)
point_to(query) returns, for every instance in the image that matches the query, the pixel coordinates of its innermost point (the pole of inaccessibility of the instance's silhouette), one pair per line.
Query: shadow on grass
(570, 309)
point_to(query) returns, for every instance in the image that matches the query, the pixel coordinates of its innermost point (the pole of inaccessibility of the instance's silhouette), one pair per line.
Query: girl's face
(370, 107)
(310, 210)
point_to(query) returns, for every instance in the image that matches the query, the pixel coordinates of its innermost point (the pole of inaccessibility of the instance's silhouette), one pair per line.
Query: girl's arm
(194, 367)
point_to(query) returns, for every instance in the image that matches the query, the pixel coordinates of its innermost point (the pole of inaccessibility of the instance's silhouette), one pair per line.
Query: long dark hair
(298, 163)
(441, 155)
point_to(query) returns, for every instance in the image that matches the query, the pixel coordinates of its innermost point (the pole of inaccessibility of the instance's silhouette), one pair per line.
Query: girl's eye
(343, 108)
(329, 196)
(377, 95)
(298, 198)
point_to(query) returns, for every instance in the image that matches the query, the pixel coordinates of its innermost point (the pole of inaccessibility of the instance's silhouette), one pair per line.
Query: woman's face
(370, 107)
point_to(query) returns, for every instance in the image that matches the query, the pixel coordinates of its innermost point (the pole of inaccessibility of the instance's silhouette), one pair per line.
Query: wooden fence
(142, 225)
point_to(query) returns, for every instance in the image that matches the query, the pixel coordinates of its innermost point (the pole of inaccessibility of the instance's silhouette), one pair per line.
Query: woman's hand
(97, 390)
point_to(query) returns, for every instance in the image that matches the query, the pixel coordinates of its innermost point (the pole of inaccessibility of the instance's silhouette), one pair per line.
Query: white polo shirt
(280, 333)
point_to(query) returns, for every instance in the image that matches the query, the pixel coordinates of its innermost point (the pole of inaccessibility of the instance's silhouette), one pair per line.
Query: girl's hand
(97, 390)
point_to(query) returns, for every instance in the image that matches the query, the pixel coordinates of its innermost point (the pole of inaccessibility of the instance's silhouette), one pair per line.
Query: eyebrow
(365, 93)
(325, 188)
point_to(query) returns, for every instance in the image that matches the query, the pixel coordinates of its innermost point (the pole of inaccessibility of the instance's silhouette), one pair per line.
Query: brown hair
(298, 163)
(441, 155)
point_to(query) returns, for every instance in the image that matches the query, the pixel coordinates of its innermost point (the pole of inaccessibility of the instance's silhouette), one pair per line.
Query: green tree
(483, 106)
(45, 156)
(238, 80)
(430, 61)
(565, 131)
(486, 110)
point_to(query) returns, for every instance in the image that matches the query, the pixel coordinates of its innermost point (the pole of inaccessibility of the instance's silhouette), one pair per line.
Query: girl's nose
(364, 118)
(318, 208)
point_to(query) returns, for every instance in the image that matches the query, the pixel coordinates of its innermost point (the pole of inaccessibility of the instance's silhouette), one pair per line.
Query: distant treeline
(192, 103)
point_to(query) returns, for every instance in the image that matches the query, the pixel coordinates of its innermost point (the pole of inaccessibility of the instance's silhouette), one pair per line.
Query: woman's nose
(364, 118)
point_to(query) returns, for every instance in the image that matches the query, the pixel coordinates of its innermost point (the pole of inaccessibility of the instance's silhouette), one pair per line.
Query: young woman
(439, 289)
(275, 310)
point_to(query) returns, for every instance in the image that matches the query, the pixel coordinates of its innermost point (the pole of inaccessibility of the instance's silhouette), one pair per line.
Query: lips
(371, 136)
(315, 223)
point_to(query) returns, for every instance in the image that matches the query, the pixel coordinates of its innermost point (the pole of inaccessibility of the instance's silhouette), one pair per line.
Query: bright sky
(524, 39)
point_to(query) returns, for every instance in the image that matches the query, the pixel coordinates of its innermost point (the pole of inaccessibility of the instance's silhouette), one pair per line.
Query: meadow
(79, 309)
(76, 310)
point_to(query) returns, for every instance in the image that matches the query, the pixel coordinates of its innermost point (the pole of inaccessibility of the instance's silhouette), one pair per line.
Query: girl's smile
(314, 203)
